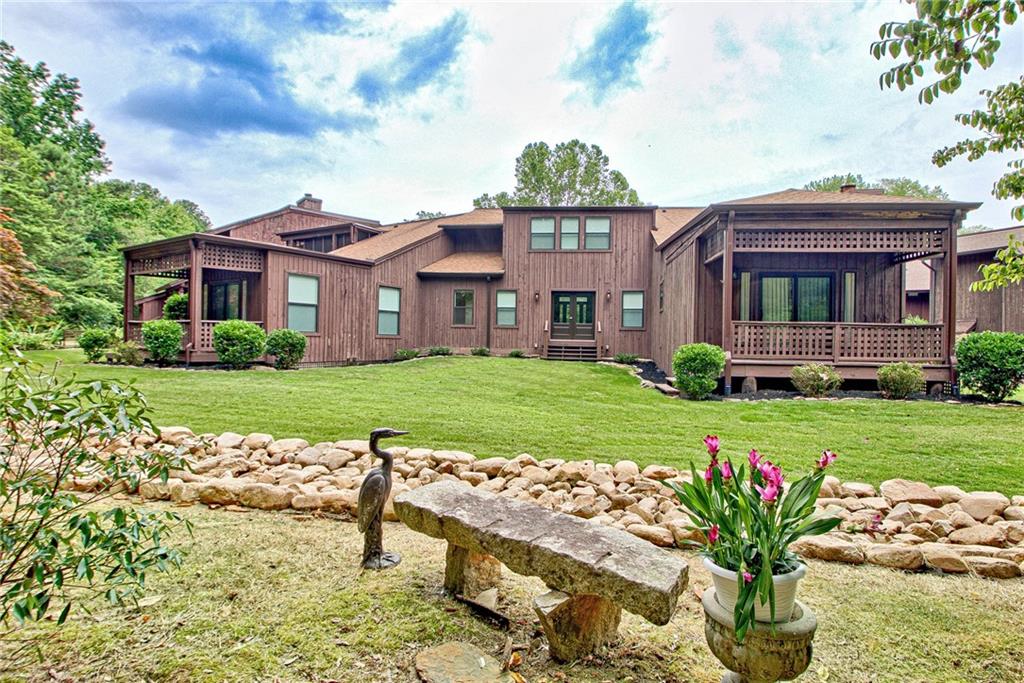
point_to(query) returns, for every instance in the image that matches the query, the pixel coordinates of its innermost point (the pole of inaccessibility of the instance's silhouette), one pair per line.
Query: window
(661, 297)
(598, 233)
(849, 297)
(570, 235)
(633, 310)
(542, 233)
(745, 295)
(303, 302)
(389, 306)
(462, 310)
(506, 308)
(224, 300)
(803, 298)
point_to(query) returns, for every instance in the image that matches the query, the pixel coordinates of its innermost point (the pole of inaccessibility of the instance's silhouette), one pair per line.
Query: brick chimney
(848, 187)
(310, 202)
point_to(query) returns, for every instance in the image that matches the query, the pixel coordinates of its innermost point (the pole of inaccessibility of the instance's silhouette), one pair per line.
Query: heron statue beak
(398, 432)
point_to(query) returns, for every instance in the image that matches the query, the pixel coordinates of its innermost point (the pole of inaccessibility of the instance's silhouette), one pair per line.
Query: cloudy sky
(386, 109)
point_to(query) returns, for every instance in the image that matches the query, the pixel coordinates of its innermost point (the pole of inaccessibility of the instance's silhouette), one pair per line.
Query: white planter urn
(726, 590)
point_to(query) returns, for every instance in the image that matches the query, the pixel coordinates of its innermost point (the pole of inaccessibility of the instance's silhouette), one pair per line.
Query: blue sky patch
(421, 59)
(609, 63)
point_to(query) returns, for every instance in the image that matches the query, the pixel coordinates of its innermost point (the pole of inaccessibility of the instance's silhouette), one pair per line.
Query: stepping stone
(458, 662)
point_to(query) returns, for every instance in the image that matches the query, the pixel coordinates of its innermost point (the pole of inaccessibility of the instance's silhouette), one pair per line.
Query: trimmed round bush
(162, 339)
(439, 351)
(900, 380)
(176, 307)
(516, 353)
(697, 368)
(991, 363)
(238, 343)
(93, 342)
(406, 354)
(480, 351)
(287, 347)
(815, 379)
(126, 353)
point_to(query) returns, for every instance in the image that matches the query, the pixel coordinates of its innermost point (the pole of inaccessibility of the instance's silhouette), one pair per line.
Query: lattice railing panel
(892, 342)
(171, 265)
(783, 340)
(838, 341)
(877, 240)
(232, 258)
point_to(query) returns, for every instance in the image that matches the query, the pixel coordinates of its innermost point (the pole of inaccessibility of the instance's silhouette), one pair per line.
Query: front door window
(572, 315)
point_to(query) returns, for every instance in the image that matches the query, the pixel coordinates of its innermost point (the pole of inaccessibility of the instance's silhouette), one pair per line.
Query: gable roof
(987, 240)
(669, 219)
(398, 236)
(336, 218)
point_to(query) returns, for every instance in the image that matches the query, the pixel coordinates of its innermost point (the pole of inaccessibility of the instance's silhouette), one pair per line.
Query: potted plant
(748, 521)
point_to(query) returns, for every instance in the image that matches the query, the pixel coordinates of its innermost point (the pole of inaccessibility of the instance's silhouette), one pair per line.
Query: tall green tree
(900, 187)
(573, 173)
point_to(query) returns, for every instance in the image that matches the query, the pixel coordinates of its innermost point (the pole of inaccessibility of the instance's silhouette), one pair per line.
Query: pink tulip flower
(754, 458)
(747, 577)
(713, 534)
(772, 474)
(709, 473)
(769, 493)
(826, 459)
(711, 442)
(726, 470)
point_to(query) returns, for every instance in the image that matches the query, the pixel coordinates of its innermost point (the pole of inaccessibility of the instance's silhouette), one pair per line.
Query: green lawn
(504, 406)
(279, 597)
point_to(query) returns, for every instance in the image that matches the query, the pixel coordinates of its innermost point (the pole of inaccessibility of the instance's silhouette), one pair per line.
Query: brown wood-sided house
(776, 280)
(1001, 310)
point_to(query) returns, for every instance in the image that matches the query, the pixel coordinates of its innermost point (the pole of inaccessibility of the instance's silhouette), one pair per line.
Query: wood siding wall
(675, 323)
(267, 229)
(999, 310)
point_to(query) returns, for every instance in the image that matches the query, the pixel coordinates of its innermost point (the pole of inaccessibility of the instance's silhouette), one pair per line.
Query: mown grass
(504, 406)
(272, 596)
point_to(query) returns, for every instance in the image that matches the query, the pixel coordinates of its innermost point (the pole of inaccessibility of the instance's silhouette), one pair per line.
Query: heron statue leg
(374, 556)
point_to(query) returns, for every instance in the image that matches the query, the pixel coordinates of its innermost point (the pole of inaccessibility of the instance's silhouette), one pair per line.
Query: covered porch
(813, 292)
(228, 277)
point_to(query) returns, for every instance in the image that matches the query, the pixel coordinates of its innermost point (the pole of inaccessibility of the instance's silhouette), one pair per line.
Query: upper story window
(542, 233)
(598, 233)
(303, 302)
(389, 308)
(570, 233)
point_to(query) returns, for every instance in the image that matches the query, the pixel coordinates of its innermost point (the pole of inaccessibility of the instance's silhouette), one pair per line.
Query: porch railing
(836, 342)
(205, 341)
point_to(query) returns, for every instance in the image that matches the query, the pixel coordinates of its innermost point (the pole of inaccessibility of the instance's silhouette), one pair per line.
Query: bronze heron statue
(373, 494)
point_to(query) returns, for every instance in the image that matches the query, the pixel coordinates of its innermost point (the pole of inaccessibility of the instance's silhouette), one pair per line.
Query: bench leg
(468, 573)
(576, 625)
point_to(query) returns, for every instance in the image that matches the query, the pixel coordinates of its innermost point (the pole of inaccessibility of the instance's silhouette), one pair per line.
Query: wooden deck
(838, 342)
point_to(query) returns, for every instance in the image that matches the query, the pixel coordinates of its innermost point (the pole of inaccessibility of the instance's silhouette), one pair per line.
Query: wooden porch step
(571, 352)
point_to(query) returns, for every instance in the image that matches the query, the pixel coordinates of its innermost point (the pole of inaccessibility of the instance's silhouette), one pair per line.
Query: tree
(428, 215)
(953, 37)
(571, 174)
(900, 187)
(21, 298)
(1006, 270)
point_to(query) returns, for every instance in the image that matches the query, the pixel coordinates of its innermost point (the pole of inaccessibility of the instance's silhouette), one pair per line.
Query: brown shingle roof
(478, 263)
(668, 219)
(401, 235)
(919, 277)
(794, 196)
(988, 240)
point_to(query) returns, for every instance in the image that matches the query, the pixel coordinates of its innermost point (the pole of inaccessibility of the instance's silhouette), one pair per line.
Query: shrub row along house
(776, 280)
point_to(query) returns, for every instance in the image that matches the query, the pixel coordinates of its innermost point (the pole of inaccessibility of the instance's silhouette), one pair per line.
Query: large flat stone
(459, 663)
(568, 553)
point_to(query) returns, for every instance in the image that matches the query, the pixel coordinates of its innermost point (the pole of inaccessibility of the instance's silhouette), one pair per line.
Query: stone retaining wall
(904, 525)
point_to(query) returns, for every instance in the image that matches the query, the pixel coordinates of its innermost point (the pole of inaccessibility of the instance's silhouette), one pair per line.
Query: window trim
(287, 301)
(515, 309)
(398, 331)
(554, 233)
(583, 231)
(472, 307)
(642, 309)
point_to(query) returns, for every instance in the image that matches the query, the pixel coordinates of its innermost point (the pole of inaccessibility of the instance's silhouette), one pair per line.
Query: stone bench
(594, 571)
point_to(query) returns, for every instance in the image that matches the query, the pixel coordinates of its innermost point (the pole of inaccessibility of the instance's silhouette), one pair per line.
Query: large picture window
(303, 302)
(633, 310)
(542, 233)
(462, 308)
(389, 308)
(800, 298)
(224, 300)
(598, 233)
(506, 308)
(570, 234)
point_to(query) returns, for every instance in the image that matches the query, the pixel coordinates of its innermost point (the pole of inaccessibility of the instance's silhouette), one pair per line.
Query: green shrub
(815, 379)
(915, 320)
(176, 307)
(517, 353)
(626, 358)
(125, 353)
(238, 343)
(287, 347)
(162, 339)
(991, 363)
(93, 342)
(32, 337)
(697, 368)
(900, 380)
(439, 351)
(406, 354)
(480, 351)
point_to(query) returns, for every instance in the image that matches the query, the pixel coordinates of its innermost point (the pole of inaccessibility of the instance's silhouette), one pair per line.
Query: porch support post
(727, 299)
(950, 292)
(129, 293)
(195, 293)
